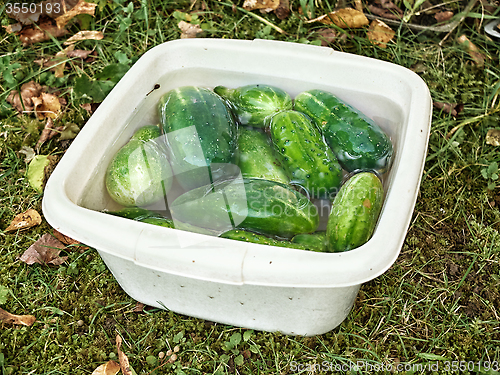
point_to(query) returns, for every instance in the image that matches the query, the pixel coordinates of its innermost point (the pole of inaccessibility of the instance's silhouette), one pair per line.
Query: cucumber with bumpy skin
(306, 156)
(313, 241)
(247, 236)
(143, 215)
(258, 205)
(355, 211)
(357, 141)
(257, 158)
(200, 131)
(252, 104)
(139, 173)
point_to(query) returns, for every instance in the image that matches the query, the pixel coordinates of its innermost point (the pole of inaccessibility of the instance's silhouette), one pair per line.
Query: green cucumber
(199, 131)
(306, 156)
(313, 241)
(143, 215)
(258, 205)
(247, 236)
(257, 158)
(146, 133)
(357, 141)
(252, 104)
(139, 173)
(354, 212)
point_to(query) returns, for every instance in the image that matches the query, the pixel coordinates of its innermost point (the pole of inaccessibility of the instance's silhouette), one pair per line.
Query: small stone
(79, 323)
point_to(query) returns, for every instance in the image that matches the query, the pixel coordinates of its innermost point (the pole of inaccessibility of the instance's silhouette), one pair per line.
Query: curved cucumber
(306, 156)
(357, 141)
(252, 104)
(261, 206)
(257, 158)
(139, 173)
(313, 241)
(247, 236)
(199, 131)
(355, 212)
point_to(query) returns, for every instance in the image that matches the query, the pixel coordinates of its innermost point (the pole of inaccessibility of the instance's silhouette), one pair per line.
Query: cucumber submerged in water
(247, 236)
(306, 156)
(252, 104)
(354, 212)
(356, 140)
(139, 173)
(258, 205)
(200, 132)
(257, 158)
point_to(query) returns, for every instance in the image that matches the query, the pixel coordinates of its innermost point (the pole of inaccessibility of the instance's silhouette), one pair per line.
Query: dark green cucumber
(139, 173)
(199, 131)
(354, 212)
(357, 141)
(306, 156)
(143, 215)
(252, 104)
(247, 236)
(134, 213)
(313, 241)
(258, 205)
(256, 157)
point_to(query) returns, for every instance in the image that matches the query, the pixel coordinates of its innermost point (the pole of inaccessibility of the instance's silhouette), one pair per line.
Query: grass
(437, 304)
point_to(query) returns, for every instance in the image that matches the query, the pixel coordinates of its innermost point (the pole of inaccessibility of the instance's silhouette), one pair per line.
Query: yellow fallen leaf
(124, 363)
(47, 105)
(25, 220)
(379, 33)
(265, 5)
(493, 137)
(344, 18)
(84, 35)
(81, 8)
(188, 30)
(108, 368)
(473, 51)
(8, 318)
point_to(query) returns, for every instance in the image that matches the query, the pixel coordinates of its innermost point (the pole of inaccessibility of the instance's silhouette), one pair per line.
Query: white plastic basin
(237, 283)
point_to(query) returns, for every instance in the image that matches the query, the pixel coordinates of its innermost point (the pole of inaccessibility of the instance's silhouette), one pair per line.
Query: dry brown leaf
(8, 318)
(46, 105)
(68, 241)
(451, 108)
(124, 363)
(188, 30)
(493, 137)
(139, 307)
(25, 220)
(443, 16)
(44, 251)
(23, 102)
(386, 13)
(379, 33)
(79, 53)
(283, 9)
(473, 51)
(60, 59)
(81, 8)
(48, 132)
(343, 18)
(42, 32)
(25, 18)
(264, 6)
(14, 28)
(326, 35)
(108, 368)
(85, 35)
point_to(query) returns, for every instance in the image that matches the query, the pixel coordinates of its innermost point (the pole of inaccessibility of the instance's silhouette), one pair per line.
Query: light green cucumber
(139, 173)
(252, 104)
(257, 158)
(306, 156)
(356, 140)
(355, 211)
(313, 241)
(257, 205)
(200, 132)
